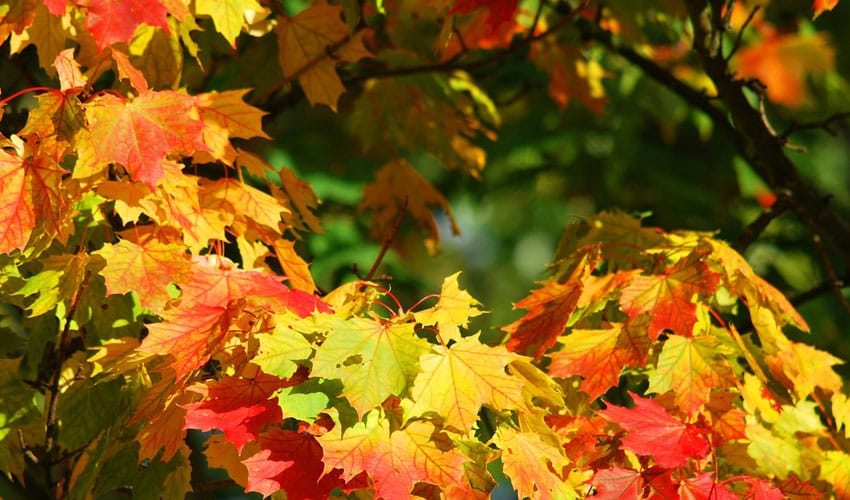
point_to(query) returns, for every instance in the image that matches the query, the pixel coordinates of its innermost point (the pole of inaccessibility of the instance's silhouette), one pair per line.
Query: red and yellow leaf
(394, 461)
(239, 407)
(669, 297)
(139, 134)
(549, 308)
(600, 355)
(691, 368)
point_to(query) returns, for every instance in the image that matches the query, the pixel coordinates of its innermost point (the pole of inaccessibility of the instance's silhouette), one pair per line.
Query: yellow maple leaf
(453, 310)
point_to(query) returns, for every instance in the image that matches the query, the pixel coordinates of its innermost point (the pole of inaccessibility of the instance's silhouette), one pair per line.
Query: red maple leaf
(111, 21)
(617, 483)
(703, 487)
(290, 461)
(653, 431)
(668, 297)
(238, 407)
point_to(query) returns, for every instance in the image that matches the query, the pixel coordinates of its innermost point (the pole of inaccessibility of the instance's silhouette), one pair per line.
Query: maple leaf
(398, 187)
(372, 359)
(456, 381)
(452, 311)
(190, 335)
(617, 483)
(783, 61)
(147, 268)
(239, 407)
(534, 466)
(15, 16)
(571, 75)
(703, 487)
(126, 70)
(290, 461)
(140, 133)
(301, 195)
(395, 461)
(600, 355)
(311, 44)
(60, 279)
(48, 33)
(294, 267)
(280, 350)
(68, 70)
(246, 202)
(549, 308)
(499, 11)
(226, 115)
(229, 16)
(217, 281)
(55, 122)
(821, 6)
(806, 367)
(31, 197)
(669, 297)
(111, 21)
(425, 113)
(691, 368)
(653, 431)
(757, 292)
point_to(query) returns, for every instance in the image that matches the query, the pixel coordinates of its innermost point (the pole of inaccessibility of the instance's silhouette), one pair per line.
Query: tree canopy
(424, 249)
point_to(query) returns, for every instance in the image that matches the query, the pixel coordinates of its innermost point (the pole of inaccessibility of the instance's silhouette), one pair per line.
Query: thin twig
(740, 36)
(752, 232)
(388, 241)
(825, 287)
(825, 124)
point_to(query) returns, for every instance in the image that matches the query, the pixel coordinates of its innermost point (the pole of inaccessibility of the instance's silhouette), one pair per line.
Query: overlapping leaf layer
(651, 364)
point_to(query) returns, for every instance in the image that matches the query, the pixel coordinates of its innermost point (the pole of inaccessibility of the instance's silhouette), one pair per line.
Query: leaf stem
(388, 240)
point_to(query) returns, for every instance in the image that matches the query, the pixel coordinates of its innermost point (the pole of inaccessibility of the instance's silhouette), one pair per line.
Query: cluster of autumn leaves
(102, 229)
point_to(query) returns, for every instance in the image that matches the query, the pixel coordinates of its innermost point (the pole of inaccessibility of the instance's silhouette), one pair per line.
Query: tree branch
(754, 139)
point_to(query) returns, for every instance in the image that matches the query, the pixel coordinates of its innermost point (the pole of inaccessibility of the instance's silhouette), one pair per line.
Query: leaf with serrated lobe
(140, 133)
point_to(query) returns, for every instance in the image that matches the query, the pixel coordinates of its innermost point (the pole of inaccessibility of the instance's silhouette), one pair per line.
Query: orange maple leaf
(311, 44)
(190, 336)
(147, 268)
(783, 61)
(821, 6)
(31, 197)
(395, 461)
(600, 355)
(398, 187)
(668, 297)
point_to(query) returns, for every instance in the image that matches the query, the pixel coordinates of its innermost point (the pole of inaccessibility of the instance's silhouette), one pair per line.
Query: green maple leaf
(280, 350)
(373, 359)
